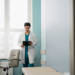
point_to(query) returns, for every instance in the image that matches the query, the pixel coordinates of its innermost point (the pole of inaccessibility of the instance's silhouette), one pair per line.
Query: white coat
(31, 50)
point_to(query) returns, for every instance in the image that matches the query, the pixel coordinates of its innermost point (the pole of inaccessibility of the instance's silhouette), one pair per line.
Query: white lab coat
(31, 50)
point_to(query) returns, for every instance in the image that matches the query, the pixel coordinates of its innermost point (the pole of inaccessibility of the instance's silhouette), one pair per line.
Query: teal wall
(43, 46)
(36, 13)
(17, 70)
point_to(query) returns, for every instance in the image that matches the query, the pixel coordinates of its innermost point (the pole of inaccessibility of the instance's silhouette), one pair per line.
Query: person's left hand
(30, 43)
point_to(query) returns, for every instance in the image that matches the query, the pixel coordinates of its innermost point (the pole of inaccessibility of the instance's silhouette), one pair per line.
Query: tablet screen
(26, 43)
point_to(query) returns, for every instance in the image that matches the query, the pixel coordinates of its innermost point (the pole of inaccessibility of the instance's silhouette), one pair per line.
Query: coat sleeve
(19, 41)
(34, 42)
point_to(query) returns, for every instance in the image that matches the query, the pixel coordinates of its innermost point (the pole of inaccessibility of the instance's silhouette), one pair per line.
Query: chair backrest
(14, 54)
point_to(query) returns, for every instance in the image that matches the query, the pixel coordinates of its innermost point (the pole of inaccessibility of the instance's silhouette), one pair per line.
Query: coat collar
(29, 35)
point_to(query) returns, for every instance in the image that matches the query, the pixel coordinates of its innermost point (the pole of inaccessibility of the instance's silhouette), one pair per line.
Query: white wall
(43, 30)
(57, 35)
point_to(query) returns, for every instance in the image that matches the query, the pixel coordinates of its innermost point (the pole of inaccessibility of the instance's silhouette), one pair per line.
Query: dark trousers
(27, 63)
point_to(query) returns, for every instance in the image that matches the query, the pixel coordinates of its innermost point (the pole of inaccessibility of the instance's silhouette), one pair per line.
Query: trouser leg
(31, 65)
(26, 63)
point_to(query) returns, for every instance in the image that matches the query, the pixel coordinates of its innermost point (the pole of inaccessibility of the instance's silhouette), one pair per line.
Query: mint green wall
(17, 70)
(36, 13)
(43, 46)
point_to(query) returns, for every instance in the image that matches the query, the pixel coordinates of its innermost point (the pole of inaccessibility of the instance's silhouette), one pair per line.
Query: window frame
(7, 29)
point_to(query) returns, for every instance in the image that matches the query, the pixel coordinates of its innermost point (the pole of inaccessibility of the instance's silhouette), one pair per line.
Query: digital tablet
(26, 43)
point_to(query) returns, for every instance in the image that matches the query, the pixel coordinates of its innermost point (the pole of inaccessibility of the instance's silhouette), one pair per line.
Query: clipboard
(26, 43)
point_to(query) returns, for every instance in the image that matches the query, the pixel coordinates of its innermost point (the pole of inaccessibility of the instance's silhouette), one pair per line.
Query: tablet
(26, 43)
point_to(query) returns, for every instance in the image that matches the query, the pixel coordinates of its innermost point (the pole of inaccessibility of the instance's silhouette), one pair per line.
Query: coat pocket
(31, 52)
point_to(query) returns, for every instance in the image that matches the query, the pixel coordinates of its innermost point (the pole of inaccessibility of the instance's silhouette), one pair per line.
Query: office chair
(13, 60)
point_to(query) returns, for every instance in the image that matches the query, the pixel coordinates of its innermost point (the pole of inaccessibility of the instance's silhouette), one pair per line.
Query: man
(27, 53)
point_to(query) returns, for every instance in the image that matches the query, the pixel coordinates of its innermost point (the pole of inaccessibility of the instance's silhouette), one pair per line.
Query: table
(37, 69)
(44, 73)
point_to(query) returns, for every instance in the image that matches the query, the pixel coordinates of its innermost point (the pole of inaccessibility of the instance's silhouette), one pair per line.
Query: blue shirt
(26, 47)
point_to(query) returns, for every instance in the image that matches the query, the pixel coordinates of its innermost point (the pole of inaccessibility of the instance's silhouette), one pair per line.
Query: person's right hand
(22, 45)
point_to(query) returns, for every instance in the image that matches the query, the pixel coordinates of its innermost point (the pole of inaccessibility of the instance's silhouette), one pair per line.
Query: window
(1, 43)
(1, 13)
(18, 13)
(13, 15)
(1, 27)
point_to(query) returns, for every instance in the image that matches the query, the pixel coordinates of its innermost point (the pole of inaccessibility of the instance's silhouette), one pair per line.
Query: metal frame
(72, 37)
(9, 60)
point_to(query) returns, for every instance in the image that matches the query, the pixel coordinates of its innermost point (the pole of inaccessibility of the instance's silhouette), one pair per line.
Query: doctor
(27, 53)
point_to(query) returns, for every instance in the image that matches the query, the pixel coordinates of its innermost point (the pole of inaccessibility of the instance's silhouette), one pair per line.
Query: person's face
(27, 28)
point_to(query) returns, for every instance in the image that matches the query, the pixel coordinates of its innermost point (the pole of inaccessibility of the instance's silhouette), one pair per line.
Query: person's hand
(22, 45)
(30, 43)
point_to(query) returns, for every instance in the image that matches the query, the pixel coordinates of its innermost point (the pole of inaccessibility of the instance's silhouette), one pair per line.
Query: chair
(13, 60)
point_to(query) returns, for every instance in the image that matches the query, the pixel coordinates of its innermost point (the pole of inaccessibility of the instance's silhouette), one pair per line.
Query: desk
(44, 73)
(37, 69)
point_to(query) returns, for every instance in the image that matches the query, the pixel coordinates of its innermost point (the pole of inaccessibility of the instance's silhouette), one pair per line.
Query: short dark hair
(27, 24)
